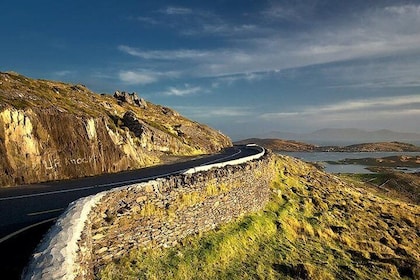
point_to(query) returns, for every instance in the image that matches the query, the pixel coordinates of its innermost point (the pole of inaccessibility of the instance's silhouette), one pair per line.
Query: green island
(385, 162)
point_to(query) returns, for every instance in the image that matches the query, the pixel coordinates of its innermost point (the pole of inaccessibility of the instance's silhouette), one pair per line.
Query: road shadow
(16, 251)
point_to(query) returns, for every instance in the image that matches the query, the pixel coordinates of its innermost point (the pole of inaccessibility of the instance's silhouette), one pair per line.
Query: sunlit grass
(314, 227)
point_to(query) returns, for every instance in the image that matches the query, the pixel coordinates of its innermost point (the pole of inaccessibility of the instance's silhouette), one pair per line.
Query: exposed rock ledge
(51, 130)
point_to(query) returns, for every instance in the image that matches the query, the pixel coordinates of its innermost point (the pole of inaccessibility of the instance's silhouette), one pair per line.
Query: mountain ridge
(346, 135)
(295, 146)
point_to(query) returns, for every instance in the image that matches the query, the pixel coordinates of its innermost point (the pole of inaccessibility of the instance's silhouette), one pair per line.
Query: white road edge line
(216, 160)
(82, 188)
(45, 212)
(24, 229)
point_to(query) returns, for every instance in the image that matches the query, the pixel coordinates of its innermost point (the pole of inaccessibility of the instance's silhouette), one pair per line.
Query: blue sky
(243, 67)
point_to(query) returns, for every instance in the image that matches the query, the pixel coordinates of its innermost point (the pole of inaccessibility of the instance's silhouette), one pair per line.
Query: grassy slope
(316, 226)
(386, 182)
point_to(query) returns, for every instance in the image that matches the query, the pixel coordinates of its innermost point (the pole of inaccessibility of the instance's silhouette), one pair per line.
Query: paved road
(26, 212)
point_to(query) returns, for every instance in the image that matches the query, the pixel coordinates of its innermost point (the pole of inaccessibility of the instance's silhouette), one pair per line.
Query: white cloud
(404, 10)
(165, 55)
(187, 90)
(63, 73)
(235, 78)
(371, 104)
(148, 20)
(145, 76)
(220, 28)
(399, 113)
(198, 22)
(391, 31)
(354, 109)
(177, 11)
(276, 11)
(376, 74)
(210, 112)
(140, 78)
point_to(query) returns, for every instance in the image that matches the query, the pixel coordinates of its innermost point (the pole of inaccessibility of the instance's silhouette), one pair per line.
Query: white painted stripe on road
(216, 160)
(85, 188)
(25, 228)
(44, 193)
(224, 163)
(45, 212)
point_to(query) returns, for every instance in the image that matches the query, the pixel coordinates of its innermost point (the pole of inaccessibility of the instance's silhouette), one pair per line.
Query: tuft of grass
(149, 209)
(189, 199)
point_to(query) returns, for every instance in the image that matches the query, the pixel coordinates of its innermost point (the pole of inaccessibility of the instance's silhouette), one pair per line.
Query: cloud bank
(387, 31)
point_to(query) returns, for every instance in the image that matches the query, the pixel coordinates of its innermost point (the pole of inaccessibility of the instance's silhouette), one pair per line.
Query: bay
(323, 157)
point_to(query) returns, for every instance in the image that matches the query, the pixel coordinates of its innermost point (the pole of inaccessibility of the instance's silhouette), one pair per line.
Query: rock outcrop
(130, 98)
(52, 130)
(130, 120)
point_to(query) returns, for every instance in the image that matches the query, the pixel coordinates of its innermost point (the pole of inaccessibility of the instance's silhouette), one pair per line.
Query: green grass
(389, 183)
(19, 104)
(314, 227)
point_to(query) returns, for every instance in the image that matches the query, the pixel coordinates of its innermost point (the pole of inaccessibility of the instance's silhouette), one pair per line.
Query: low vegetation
(316, 226)
(386, 182)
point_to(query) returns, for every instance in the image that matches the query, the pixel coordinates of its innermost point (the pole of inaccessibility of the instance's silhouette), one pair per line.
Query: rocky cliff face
(52, 130)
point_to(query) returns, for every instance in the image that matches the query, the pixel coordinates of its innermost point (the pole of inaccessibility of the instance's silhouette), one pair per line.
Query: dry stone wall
(160, 213)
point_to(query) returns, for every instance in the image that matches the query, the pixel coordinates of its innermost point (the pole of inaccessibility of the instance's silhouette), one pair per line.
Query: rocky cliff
(51, 130)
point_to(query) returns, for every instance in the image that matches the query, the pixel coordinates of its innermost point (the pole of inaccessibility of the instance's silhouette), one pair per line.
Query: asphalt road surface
(27, 212)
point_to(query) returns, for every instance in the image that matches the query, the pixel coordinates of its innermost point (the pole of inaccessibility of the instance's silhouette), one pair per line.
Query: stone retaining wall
(160, 213)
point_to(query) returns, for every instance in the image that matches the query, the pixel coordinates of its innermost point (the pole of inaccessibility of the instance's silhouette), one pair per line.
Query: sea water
(323, 157)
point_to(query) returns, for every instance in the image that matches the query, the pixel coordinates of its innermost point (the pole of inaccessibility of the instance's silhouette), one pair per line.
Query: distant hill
(346, 136)
(280, 145)
(51, 130)
(294, 146)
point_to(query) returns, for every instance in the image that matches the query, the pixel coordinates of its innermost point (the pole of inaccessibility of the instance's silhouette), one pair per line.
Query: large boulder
(138, 100)
(132, 123)
(123, 97)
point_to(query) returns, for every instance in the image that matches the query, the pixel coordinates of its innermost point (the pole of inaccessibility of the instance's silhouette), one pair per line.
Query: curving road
(26, 212)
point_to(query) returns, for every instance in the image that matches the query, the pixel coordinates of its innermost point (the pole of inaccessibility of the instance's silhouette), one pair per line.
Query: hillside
(295, 146)
(346, 136)
(280, 145)
(52, 130)
(316, 226)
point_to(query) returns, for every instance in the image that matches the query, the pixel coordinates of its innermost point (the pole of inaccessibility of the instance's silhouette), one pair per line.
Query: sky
(244, 67)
